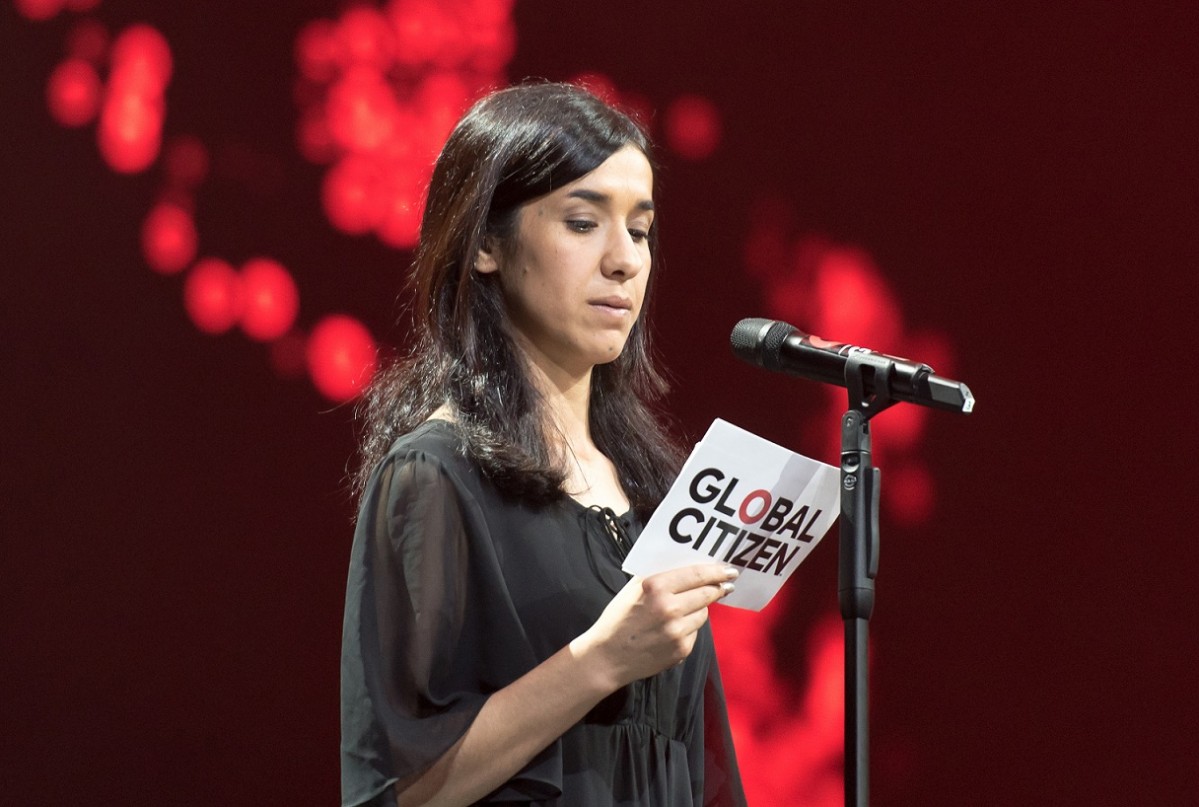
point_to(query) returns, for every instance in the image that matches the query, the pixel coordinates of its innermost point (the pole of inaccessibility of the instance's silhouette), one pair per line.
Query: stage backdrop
(208, 210)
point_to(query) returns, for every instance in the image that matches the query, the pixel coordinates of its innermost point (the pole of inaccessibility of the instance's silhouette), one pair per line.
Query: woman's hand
(651, 624)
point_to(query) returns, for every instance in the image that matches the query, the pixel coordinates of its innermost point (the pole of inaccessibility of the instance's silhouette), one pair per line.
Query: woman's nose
(624, 256)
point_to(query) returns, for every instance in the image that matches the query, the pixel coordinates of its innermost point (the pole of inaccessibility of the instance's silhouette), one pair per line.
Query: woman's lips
(619, 306)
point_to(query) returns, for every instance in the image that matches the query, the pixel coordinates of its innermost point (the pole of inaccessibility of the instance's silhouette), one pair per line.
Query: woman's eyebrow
(603, 198)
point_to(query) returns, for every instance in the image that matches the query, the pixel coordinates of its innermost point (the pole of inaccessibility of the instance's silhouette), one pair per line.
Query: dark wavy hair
(511, 147)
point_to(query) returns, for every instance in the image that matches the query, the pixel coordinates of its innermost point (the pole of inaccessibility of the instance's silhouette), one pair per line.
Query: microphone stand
(858, 562)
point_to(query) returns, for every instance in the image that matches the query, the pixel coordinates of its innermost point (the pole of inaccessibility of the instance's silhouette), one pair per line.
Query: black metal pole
(857, 744)
(858, 563)
(858, 567)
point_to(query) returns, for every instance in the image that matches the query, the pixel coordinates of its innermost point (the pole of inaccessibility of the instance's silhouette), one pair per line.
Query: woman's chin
(610, 353)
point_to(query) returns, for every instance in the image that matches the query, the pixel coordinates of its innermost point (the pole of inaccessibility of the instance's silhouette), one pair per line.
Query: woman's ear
(485, 261)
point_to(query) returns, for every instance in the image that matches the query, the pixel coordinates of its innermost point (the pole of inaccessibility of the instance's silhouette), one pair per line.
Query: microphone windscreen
(757, 341)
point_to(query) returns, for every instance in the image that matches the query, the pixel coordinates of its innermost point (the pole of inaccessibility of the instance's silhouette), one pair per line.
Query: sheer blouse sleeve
(402, 707)
(430, 632)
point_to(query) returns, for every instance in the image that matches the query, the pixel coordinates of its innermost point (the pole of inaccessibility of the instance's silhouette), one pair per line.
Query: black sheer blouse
(454, 592)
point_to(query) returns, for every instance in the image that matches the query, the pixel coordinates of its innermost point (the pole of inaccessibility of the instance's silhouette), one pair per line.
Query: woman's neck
(591, 478)
(567, 399)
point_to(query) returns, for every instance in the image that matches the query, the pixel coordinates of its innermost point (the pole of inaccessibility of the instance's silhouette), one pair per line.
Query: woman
(493, 650)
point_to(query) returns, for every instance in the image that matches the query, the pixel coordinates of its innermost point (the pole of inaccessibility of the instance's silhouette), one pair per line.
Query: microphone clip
(881, 369)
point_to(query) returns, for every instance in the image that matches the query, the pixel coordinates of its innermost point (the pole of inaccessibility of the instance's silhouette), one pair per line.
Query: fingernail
(732, 572)
(727, 588)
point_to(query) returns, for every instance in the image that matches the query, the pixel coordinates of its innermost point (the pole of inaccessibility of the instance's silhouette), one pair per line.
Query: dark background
(174, 517)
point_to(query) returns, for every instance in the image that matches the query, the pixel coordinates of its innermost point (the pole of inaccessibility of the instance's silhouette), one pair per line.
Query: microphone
(780, 347)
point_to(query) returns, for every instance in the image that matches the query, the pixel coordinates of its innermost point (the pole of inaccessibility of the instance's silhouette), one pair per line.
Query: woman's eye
(581, 225)
(639, 235)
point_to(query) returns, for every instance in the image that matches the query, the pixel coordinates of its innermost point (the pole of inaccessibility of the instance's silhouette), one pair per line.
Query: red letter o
(743, 511)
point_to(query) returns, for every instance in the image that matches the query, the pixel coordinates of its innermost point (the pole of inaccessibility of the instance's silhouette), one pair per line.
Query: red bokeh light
(129, 133)
(212, 295)
(853, 301)
(73, 92)
(491, 47)
(38, 10)
(424, 32)
(492, 13)
(693, 127)
(361, 110)
(363, 36)
(169, 238)
(270, 299)
(807, 730)
(130, 130)
(342, 356)
(353, 195)
(400, 226)
(141, 56)
(440, 101)
(379, 95)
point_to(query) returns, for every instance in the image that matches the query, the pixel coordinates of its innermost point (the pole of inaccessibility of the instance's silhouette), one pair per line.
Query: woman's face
(574, 279)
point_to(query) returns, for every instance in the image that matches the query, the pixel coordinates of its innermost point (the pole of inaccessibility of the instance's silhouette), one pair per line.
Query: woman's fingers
(688, 590)
(699, 598)
(690, 578)
(686, 578)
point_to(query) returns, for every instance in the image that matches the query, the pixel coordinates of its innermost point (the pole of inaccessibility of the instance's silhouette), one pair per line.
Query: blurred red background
(207, 209)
